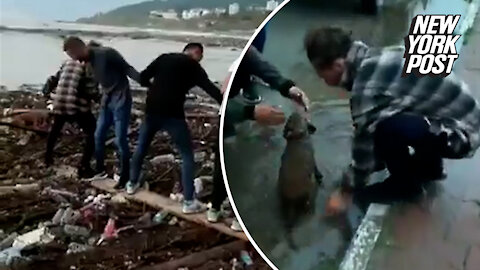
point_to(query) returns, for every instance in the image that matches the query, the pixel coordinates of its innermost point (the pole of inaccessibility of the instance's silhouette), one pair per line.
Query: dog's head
(297, 127)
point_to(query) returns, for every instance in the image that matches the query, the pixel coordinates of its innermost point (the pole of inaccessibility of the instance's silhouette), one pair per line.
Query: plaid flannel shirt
(75, 89)
(379, 92)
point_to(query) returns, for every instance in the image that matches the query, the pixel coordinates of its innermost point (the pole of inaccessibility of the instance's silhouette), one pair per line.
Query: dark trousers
(180, 134)
(86, 122)
(409, 149)
(219, 191)
(412, 155)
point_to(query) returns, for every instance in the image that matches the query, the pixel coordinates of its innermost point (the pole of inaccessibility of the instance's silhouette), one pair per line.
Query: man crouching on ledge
(406, 124)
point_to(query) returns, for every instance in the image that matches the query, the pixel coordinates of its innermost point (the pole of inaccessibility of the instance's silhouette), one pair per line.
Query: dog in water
(299, 176)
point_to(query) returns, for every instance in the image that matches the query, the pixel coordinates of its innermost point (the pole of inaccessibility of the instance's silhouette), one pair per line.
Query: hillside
(138, 15)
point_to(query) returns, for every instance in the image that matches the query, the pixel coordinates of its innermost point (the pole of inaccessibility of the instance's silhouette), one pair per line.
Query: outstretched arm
(118, 60)
(147, 74)
(260, 67)
(208, 86)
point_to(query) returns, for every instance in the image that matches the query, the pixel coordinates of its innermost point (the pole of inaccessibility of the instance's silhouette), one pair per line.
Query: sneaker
(251, 96)
(213, 215)
(101, 175)
(132, 188)
(120, 185)
(85, 173)
(252, 99)
(236, 226)
(192, 207)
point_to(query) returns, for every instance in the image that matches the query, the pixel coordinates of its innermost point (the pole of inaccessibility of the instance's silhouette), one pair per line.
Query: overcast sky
(49, 10)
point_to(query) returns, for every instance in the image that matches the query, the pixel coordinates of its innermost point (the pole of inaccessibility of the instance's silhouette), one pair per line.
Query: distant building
(195, 13)
(259, 9)
(169, 15)
(233, 9)
(220, 11)
(271, 5)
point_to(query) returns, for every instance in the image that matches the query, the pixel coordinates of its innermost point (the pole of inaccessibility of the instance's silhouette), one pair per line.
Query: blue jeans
(180, 134)
(118, 114)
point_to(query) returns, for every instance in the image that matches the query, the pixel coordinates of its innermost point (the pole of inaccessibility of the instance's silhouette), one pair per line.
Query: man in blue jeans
(111, 71)
(174, 74)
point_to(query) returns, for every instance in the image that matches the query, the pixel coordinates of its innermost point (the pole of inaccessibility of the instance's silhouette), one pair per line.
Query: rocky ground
(49, 219)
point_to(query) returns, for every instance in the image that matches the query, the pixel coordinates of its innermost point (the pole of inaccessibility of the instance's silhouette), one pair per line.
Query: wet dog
(299, 176)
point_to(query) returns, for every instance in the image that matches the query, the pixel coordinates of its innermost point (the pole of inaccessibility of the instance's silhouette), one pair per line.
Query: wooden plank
(197, 259)
(158, 201)
(4, 190)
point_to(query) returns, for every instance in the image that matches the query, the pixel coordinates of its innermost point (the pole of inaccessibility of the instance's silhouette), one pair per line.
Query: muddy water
(31, 58)
(253, 157)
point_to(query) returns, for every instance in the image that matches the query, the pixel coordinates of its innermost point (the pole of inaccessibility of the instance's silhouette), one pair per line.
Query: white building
(233, 9)
(220, 11)
(195, 13)
(169, 15)
(271, 5)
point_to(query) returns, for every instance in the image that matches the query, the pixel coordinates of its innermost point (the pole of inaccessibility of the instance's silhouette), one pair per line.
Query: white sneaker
(236, 226)
(100, 176)
(192, 207)
(132, 188)
(213, 215)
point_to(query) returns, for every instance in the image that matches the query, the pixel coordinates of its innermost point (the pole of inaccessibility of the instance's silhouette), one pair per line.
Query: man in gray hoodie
(111, 71)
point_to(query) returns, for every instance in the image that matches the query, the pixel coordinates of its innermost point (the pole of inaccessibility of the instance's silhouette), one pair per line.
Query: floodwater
(31, 58)
(252, 158)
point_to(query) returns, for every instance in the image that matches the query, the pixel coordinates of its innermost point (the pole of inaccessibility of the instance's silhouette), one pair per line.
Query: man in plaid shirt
(72, 90)
(406, 124)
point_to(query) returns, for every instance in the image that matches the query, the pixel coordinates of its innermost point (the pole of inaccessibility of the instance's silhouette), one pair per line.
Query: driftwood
(199, 258)
(39, 131)
(18, 188)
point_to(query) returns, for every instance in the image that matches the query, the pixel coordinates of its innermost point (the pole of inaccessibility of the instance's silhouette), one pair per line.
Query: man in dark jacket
(111, 71)
(253, 63)
(250, 94)
(173, 74)
(72, 90)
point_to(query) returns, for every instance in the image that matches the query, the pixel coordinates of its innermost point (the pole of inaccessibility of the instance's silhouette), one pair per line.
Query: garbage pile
(51, 220)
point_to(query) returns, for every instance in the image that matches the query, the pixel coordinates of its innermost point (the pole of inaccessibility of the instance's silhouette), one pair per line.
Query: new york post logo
(430, 45)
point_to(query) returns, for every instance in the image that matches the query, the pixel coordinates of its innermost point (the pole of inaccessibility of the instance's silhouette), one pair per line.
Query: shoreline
(208, 38)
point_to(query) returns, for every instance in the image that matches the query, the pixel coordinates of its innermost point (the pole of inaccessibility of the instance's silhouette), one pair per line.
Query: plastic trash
(77, 248)
(8, 241)
(173, 221)
(246, 259)
(33, 237)
(198, 183)
(8, 256)
(70, 216)
(73, 230)
(110, 230)
(58, 216)
(160, 217)
(168, 158)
